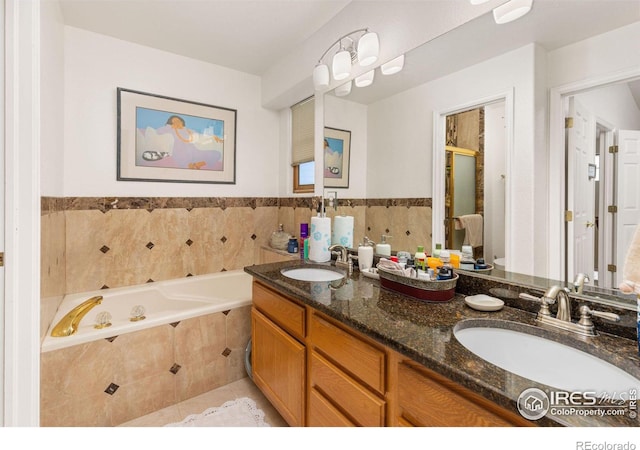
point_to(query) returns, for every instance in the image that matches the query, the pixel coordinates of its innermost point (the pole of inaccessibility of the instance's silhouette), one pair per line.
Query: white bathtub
(164, 302)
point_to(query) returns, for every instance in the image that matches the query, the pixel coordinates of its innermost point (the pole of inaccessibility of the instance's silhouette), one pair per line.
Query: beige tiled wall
(89, 244)
(145, 370)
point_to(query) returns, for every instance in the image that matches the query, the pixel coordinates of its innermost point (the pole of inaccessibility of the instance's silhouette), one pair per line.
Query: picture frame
(337, 152)
(167, 139)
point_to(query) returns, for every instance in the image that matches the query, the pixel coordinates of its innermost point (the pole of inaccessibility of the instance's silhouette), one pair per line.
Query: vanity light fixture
(365, 79)
(360, 45)
(393, 66)
(343, 89)
(478, 2)
(512, 10)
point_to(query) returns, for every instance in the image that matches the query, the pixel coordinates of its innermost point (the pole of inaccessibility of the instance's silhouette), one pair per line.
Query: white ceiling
(246, 35)
(251, 35)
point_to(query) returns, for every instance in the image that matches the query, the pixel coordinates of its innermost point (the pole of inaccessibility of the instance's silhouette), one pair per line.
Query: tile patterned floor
(241, 388)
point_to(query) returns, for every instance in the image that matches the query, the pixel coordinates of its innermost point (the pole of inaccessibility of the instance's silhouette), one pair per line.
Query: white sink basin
(544, 361)
(312, 274)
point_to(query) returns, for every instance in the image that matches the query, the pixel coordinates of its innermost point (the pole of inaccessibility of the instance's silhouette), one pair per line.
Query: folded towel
(396, 268)
(472, 224)
(631, 271)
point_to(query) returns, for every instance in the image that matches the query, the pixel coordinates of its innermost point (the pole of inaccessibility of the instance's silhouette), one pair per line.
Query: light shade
(321, 76)
(368, 49)
(478, 2)
(393, 66)
(343, 89)
(365, 79)
(512, 10)
(341, 65)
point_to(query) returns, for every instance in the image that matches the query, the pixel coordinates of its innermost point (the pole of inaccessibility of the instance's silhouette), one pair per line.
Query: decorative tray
(434, 291)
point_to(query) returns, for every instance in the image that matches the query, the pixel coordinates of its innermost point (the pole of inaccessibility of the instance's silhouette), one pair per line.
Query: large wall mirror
(483, 89)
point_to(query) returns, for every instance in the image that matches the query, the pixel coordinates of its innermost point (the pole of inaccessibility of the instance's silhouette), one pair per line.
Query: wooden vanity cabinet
(346, 376)
(278, 355)
(317, 371)
(424, 398)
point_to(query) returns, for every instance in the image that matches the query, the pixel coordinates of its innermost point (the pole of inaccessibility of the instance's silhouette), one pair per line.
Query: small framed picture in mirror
(337, 149)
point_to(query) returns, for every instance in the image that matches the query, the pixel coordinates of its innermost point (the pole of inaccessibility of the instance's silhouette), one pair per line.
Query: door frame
(21, 321)
(557, 160)
(439, 160)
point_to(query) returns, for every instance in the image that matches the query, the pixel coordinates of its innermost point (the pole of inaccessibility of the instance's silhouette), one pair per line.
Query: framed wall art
(337, 148)
(172, 140)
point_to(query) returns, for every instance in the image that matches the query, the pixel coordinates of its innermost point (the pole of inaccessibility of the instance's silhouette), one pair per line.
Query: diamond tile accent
(226, 352)
(104, 249)
(174, 324)
(189, 274)
(253, 237)
(150, 245)
(111, 339)
(150, 280)
(226, 313)
(175, 368)
(104, 286)
(189, 242)
(408, 233)
(223, 239)
(111, 389)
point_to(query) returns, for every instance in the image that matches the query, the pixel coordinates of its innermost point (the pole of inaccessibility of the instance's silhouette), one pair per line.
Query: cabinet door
(428, 399)
(278, 363)
(323, 414)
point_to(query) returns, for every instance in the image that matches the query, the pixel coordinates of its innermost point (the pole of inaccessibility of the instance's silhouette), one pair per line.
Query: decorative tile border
(51, 205)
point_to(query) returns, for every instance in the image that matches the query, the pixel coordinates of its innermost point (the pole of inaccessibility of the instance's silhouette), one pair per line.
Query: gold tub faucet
(69, 323)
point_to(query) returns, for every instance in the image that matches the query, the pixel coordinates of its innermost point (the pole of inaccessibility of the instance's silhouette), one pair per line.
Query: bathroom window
(302, 124)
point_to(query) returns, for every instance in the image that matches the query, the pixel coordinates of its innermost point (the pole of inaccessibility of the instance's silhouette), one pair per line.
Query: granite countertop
(423, 331)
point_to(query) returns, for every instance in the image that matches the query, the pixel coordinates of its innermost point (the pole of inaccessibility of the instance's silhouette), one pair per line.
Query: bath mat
(241, 412)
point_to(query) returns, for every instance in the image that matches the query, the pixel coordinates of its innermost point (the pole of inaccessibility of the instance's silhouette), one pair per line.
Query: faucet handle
(544, 301)
(586, 313)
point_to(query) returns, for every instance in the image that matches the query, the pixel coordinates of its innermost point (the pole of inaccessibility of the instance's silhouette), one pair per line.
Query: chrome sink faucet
(579, 281)
(583, 326)
(342, 257)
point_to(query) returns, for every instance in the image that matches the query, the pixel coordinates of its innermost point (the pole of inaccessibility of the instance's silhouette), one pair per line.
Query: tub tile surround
(152, 369)
(98, 243)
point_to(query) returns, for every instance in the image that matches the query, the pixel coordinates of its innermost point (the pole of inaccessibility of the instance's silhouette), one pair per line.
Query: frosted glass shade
(368, 49)
(321, 76)
(393, 66)
(511, 11)
(365, 79)
(343, 89)
(341, 65)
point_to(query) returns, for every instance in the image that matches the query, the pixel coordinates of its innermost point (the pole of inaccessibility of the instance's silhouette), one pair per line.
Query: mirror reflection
(406, 129)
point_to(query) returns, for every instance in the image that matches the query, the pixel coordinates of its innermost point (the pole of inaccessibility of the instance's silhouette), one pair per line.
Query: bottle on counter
(436, 251)
(384, 248)
(279, 239)
(420, 258)
(365, 254)
(304, 236)
(466, 259)
(292, 246)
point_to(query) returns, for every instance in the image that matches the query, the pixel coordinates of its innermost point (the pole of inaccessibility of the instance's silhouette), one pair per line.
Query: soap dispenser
(365, 254)
(383, 248)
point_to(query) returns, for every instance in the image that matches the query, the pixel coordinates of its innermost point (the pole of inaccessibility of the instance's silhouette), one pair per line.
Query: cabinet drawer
(431, 400)
(281, 310)
(363, 406)
(357, 357)
(323, 414)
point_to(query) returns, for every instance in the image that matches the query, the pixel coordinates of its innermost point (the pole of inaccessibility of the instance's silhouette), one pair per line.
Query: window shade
(302, 124)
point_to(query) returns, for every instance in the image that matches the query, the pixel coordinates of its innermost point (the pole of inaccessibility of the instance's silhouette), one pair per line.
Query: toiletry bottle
(466, 260)
(279, 239)
(420, 258)
(304, 232)
(383, 248)
(292, 247)
(445, 273)
(454, 258)
(434, 263)
(445, 257)
(480, 264)
(436, 251)
(365, 255)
